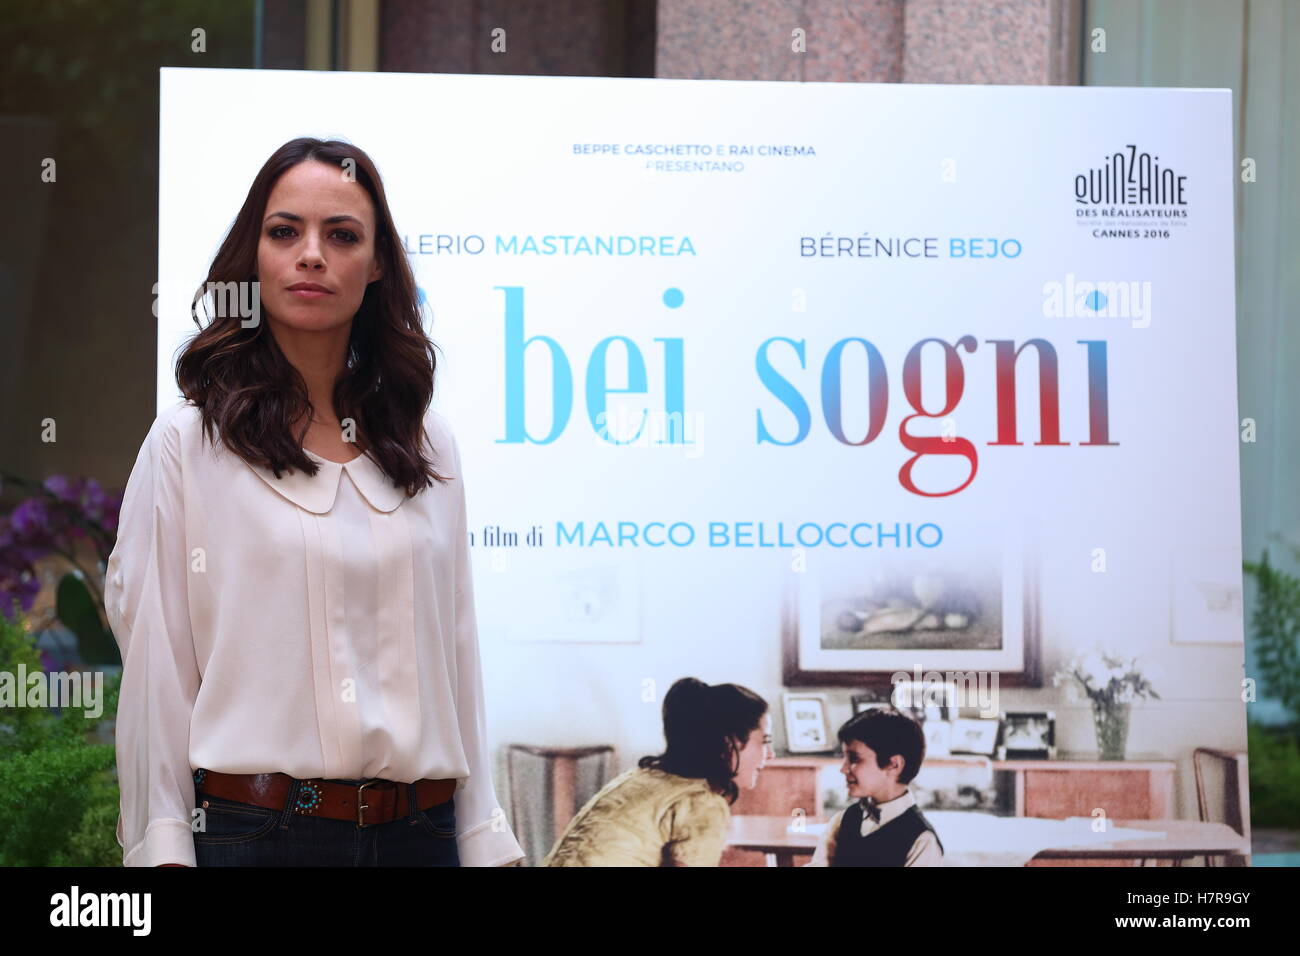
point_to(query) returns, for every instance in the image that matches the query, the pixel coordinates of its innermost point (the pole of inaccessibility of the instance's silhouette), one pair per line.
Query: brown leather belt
(368, 803)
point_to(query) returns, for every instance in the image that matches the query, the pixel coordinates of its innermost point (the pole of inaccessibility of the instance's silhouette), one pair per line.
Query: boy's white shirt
(924, 852)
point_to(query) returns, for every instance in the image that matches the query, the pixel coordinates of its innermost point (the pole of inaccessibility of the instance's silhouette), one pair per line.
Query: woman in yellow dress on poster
(673, 809)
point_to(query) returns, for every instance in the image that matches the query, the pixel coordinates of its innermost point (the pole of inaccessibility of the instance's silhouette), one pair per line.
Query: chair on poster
(1222, 792)
(548, 786)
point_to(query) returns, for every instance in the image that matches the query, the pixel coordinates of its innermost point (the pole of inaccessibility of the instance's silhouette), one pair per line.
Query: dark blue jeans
(242, 834)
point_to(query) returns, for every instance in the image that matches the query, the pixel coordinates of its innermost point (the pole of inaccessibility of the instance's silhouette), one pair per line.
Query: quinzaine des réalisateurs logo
(1131, 196)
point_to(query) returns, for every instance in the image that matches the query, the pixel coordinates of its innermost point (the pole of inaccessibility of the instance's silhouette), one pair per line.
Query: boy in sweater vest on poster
(883, 751)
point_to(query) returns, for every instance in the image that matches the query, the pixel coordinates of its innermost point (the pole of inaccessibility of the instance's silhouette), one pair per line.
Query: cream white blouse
(319, 626)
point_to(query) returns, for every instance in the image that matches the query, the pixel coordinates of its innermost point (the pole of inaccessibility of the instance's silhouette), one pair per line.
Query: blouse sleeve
(148, 610)
(925, 851)
(697, 827)
(483, 837)
(825, 851)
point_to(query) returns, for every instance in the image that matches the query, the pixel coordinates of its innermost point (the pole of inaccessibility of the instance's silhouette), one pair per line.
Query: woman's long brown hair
(705, 727)
(251, 395)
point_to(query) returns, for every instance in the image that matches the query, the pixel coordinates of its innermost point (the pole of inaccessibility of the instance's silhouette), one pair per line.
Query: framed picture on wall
(938, 737)
(975, 736)
(1205, 597)
(923, 702)
(869, 700)
(807, 727)
(1027, 735)
(859, 620)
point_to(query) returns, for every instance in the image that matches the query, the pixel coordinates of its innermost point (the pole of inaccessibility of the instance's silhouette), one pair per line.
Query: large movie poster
(845, 393)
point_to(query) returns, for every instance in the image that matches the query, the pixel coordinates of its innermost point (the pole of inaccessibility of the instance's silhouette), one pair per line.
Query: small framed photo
(1027, 735)
(938, 737)
(871, 700)
(924, 701)
(975, 736)
(807, 728)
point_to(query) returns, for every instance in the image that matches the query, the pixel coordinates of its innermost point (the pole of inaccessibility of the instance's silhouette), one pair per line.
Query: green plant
(58, 795)
(18, 648)
(1274, 777)
(1275, 633)
(1275, 751)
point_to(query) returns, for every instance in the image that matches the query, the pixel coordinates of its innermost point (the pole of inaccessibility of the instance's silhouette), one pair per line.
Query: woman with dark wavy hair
(290, 587)
(673, 809)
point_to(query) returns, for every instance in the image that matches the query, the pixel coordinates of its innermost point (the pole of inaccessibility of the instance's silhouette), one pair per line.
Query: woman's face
(754, 755)
(318, 229)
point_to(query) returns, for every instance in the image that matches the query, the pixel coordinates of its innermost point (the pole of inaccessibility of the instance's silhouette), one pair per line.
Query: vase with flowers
(1112, 682)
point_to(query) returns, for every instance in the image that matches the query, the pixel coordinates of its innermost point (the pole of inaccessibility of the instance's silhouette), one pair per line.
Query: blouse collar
(317, 494)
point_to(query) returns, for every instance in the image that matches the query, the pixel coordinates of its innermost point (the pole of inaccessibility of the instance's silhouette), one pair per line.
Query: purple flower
(16, 587)
(98, 502)
(26, 555)
(66, 509)
(30, 521)
(112, 509)
(64, 488)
